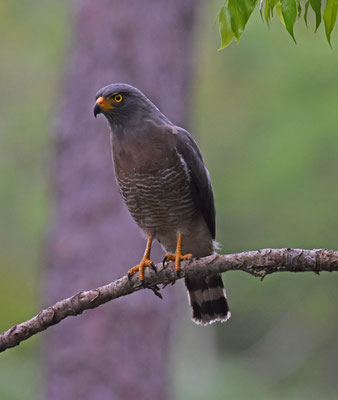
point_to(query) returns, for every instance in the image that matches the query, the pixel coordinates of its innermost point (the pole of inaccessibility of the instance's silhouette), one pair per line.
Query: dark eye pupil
(118, 98)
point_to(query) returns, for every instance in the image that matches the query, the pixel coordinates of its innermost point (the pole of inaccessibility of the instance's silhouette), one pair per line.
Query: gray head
(123, 104)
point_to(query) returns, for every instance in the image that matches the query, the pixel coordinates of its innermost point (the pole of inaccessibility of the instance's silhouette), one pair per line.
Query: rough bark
(258, 263)
(119, 352)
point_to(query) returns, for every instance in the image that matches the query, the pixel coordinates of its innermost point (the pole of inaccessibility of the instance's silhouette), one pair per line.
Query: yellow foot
(177, 257)
(145, 262)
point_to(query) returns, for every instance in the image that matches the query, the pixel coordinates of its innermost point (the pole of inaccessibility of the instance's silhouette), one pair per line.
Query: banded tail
(208, 299)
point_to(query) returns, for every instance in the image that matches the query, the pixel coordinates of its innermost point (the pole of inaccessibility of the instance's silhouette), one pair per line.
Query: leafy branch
(234, 15)
(257, 263)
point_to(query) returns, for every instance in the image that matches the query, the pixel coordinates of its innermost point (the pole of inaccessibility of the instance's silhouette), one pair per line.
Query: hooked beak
(102, 105)
(97, 109)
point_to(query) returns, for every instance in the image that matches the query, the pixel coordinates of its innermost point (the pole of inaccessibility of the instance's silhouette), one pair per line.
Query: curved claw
(145, 262)
(153, 267)
(164, 261)
(177, 258)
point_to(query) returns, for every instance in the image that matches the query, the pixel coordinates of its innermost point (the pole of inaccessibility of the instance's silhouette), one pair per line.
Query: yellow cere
(105, 104)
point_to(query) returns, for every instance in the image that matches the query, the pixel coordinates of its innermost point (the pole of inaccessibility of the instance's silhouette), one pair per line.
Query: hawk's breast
(159, 199)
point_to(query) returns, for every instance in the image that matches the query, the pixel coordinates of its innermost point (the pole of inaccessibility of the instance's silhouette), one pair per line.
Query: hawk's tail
(208, 299)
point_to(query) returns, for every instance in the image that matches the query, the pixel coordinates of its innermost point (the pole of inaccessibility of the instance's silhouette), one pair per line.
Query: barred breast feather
(159, 201)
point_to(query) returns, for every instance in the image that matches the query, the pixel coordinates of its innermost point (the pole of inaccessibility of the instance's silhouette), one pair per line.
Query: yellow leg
(145, 262)
(177, 257)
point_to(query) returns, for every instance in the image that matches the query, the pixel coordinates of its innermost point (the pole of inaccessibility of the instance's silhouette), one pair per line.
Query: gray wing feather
(200, 178)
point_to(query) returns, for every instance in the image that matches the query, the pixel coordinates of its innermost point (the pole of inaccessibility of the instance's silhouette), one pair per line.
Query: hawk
(166, 186)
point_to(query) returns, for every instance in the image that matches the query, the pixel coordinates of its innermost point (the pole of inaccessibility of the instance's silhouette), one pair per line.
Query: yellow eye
(117, 98)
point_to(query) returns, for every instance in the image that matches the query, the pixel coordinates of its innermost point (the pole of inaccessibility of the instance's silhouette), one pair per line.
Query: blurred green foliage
(265, 115)
(32, 42)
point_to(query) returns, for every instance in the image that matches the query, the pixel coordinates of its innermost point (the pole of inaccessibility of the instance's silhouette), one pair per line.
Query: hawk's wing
(200, 178)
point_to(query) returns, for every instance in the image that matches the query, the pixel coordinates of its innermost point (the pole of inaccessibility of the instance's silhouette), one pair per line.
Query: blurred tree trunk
(121, 350)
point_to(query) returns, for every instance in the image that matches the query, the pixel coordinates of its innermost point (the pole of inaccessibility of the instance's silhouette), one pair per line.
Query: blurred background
(264, 113)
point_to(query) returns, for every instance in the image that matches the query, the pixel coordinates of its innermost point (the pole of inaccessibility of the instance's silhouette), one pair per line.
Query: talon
(153, 267)
(129, 276)
(164, 261)
(170, 257)
(145, 262)
(178, 257)
(140, 268)
(132, 270)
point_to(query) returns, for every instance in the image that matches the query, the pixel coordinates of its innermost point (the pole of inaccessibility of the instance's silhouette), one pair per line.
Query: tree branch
(257, 263)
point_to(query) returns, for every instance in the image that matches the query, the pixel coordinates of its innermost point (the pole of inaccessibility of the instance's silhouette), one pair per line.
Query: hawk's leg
(145, 262)
(177, 257)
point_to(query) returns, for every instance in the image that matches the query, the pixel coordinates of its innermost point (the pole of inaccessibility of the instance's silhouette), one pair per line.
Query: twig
(257, 263)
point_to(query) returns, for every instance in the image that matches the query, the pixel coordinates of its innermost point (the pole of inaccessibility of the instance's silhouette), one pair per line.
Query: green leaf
(330, 17)
(261, 8)
(289, 11)
(268, 11)
(236, 18)
(306, 10)
(225, 30)
(240, 11)
(299, 8)
(247, 6)
(234, 15)
(272, 5)
(316, 7)
(279, 12)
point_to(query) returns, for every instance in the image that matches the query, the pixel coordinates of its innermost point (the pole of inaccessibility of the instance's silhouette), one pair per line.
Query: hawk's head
(120, 103)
